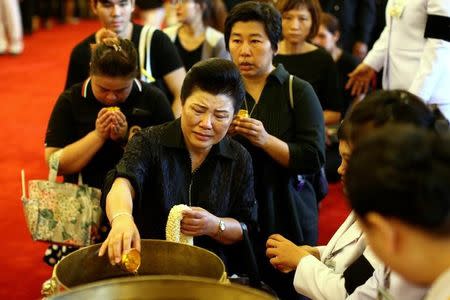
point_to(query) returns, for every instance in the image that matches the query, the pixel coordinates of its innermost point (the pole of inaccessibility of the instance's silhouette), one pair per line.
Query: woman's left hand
(198, 221)
(119, 127)
(251, 129)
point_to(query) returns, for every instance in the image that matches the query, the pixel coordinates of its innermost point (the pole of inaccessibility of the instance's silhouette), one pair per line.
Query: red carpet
(29, 85)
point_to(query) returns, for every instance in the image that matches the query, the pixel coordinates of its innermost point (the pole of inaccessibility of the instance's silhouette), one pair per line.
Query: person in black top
(194, 39)
(115, 15)
(284, 139)
(327, 37)
(305, 60)
(189, 161)
(82, 124)
(357, 19)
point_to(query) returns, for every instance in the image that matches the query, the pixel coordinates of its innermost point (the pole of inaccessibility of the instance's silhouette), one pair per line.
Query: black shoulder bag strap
(252, 267)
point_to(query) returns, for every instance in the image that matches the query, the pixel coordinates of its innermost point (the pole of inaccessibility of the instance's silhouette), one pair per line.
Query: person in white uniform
(406, 219)
(334, 271)
(414, 52)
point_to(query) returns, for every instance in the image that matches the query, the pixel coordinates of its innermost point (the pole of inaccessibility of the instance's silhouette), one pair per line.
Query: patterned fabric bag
(62, 213)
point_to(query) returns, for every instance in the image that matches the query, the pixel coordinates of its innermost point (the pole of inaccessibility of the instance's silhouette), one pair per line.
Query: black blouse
(284, 205)
(189, 58)
(158, 165)
(75, 114)
(318, 68)
(302, 128)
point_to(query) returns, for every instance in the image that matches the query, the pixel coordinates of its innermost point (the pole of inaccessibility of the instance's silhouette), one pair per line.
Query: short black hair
(403, 172)
(330, 22)
(215, 76)
(115, 57)
(384, 107)
(343, 132)
(261, 12)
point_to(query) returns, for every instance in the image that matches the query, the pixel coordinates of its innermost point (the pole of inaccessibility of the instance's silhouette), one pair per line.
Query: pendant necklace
(246, 107)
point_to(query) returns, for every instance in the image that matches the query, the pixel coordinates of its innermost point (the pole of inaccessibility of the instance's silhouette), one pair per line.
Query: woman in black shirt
(327, 37)
(194, 39)
(90, 134)
(189, 161)
(284, 139)
(305, 60)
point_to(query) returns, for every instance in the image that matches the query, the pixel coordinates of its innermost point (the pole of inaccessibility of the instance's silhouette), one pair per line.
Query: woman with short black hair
(188, 161)
(284, 134)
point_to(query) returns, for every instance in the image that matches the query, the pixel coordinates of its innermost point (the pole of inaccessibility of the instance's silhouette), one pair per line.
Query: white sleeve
(435, 56)
(369, 290)
(316, 281)
(376, 56)
(320, 249)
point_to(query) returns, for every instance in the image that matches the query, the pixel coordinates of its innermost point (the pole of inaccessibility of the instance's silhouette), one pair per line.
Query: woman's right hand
(123, 236)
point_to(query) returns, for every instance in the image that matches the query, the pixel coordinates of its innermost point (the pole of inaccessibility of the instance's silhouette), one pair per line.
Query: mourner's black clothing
(286, 205)
(356, 17)
(158, 165)
(75, 113)
(189, 58)
(318, 68)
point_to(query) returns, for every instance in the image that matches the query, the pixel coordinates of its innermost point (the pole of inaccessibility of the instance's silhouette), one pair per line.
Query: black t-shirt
(318, 68)
(189, 58)
(163, 56)
(345, 64)
(75, 113)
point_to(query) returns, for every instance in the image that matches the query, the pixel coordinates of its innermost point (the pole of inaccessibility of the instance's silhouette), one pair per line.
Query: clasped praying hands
(111, 125)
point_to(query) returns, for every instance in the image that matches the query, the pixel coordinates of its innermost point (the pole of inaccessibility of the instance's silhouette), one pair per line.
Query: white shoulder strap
(213, 36)
(145, 42)
(291, 93)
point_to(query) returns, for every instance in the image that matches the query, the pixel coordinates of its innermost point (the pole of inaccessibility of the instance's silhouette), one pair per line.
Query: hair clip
(112, 42)
(116, 47)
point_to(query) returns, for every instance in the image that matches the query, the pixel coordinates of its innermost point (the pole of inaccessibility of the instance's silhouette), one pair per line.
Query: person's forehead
(298, 10)
(249, 27)
(204, 98)
(113, 1)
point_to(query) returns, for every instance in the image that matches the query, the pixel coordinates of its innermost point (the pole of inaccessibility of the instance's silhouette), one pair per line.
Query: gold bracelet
(123, 213)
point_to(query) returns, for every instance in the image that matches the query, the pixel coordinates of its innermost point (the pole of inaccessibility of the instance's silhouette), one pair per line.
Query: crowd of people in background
(333, 90)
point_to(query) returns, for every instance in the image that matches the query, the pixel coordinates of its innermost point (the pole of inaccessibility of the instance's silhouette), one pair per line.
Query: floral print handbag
(62, 213)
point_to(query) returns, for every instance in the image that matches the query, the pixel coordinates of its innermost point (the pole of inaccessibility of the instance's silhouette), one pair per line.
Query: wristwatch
(222, 227)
